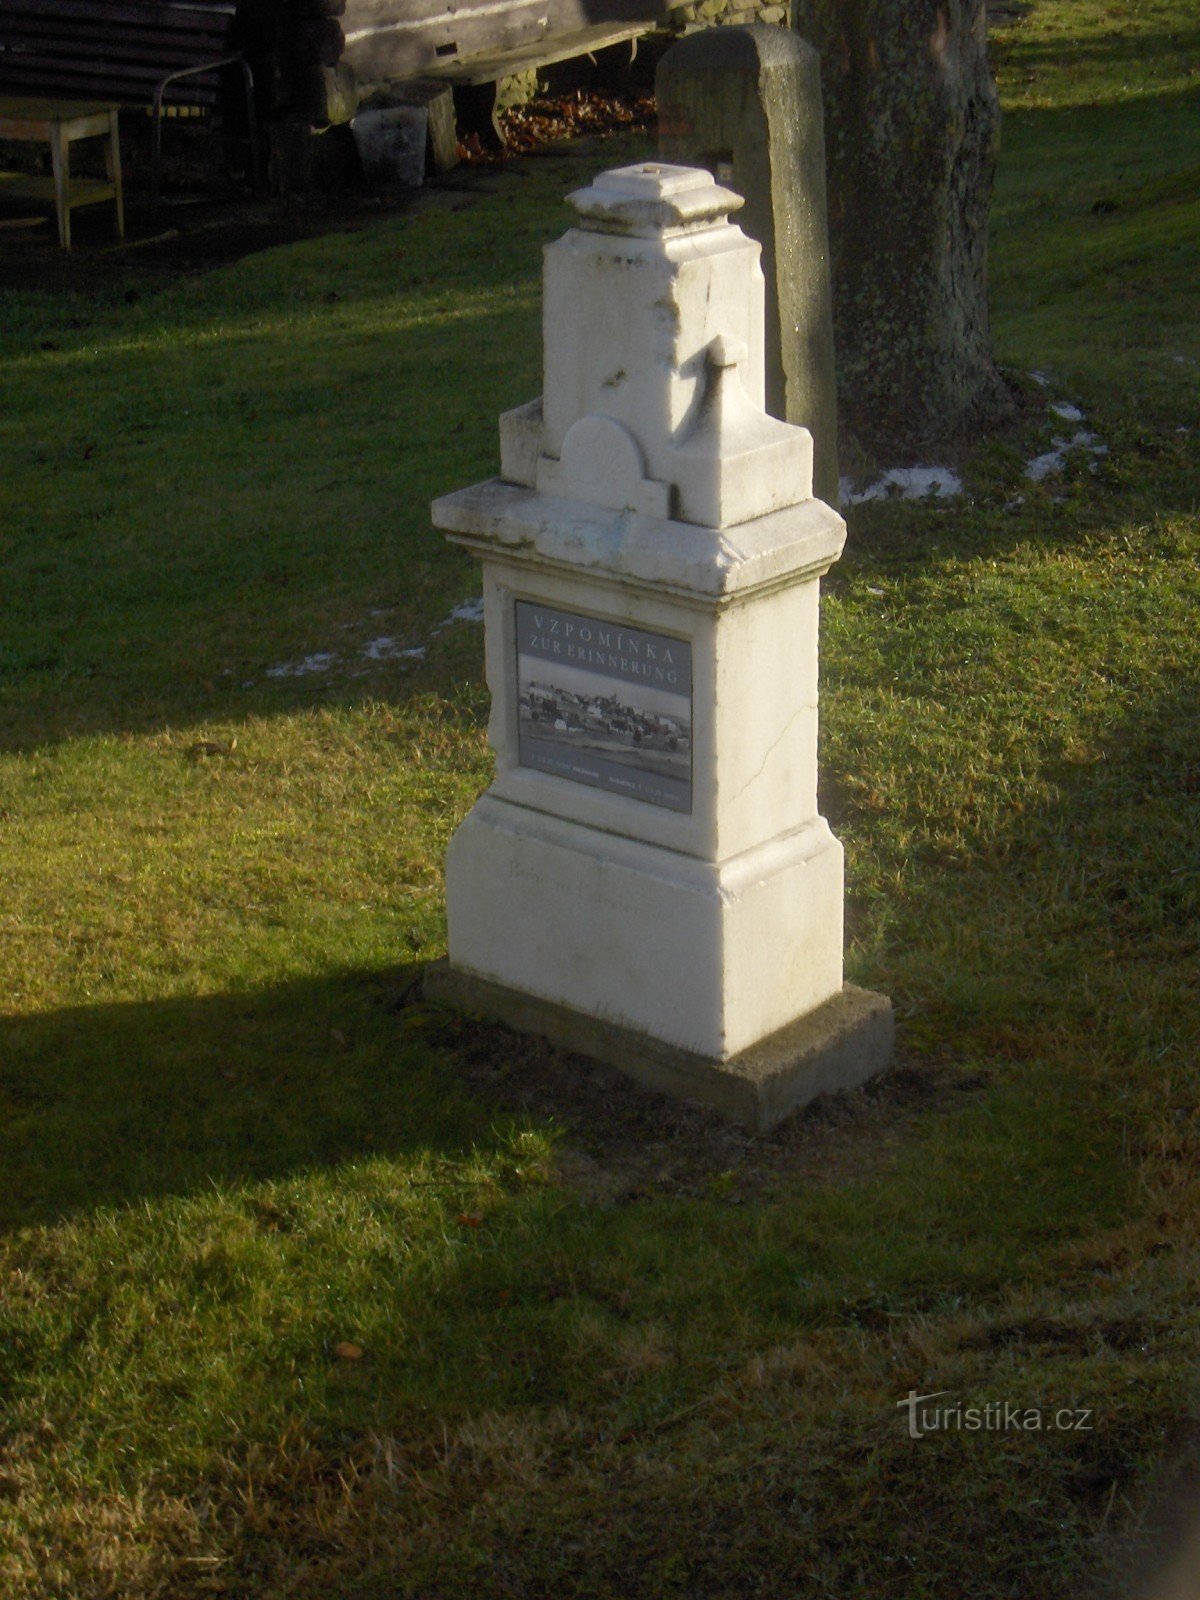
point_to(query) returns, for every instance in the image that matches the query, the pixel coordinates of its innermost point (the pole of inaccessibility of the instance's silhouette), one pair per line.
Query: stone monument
(648, 879)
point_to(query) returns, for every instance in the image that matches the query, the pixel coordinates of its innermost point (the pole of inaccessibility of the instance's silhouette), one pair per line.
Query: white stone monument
(648, 879)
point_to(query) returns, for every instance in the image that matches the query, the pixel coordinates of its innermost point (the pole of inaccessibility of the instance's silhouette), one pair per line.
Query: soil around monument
(621, 1143)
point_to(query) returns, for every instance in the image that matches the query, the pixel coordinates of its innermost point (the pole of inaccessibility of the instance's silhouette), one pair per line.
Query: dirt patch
(622, 1142)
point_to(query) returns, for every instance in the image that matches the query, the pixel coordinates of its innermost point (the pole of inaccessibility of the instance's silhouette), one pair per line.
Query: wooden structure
(341, 52)
(424, 38)
(160, 54)
(60, 123)
(314, 62)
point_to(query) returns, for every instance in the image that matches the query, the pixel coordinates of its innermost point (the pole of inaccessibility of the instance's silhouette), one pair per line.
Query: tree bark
(912, 126)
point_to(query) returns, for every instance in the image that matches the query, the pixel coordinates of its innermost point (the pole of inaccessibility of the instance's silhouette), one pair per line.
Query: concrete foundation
(841, 1044)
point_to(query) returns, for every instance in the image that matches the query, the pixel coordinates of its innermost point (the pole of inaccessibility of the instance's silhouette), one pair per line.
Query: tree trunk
(912, 129)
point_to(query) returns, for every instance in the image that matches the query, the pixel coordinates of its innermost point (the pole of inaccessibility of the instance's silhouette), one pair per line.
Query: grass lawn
(297, 1296)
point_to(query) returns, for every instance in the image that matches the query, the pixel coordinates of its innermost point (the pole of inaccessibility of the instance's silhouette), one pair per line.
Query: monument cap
(654, 200)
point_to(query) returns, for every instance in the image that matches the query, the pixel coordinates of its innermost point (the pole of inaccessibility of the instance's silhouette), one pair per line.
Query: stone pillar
(746, 104)
(648, 879)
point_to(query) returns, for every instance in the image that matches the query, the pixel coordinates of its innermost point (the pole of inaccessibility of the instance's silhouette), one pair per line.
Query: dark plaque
(605, 704)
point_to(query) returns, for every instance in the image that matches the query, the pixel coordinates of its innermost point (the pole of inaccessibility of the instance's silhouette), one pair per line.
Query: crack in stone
(772, 747)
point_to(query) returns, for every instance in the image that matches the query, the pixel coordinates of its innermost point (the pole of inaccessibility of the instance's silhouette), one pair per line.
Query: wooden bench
(476, 79)
(156, 53)
(472, 44)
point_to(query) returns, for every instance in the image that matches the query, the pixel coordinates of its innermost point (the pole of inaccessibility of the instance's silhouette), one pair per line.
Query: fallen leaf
(346, 1351)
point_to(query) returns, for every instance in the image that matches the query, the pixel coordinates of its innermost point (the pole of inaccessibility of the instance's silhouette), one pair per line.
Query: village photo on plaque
(605, 704)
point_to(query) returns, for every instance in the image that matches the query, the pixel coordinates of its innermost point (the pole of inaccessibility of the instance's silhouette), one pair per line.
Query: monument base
(838, 1046)
(708, 956)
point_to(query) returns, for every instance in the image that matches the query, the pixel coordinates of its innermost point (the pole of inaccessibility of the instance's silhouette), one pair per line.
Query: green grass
(286, 1309)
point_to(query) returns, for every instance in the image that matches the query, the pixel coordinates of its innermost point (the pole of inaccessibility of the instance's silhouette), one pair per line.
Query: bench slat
(100, 52)
(19, 33)
(148, 13)
(83, 44)
(126, 79)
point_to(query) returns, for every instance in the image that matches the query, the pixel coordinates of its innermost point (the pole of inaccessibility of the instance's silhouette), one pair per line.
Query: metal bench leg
(252, 128)
(156, 146)
(60, 157)
(113, 163)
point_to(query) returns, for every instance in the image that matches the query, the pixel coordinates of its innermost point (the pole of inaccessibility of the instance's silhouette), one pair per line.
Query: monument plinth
(648, 879)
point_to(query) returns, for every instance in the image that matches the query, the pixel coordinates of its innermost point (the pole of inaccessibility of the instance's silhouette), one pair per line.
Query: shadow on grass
(1112, 53)
(111, 1104)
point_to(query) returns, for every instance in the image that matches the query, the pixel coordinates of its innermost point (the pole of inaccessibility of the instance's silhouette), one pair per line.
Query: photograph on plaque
(605, 704)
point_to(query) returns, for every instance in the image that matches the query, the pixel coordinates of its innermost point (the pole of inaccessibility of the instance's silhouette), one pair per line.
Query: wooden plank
(123, 91)
(35, 109)
(72, 33)
(89, 47)
(133, 79)
(560, 14)
(151, 13)
(381, 46)
(399, 47)
(563, 47)
(80, 191)
(86, 49)
(149, 19)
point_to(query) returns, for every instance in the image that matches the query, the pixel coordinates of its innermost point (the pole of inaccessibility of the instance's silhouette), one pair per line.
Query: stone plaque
(605, 704)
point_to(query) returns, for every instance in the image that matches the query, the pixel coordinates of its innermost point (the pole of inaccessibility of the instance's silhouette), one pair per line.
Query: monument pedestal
(708, 957)
(648, 878)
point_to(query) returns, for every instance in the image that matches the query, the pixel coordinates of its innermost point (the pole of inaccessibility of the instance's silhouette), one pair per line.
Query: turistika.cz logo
(997, 1416)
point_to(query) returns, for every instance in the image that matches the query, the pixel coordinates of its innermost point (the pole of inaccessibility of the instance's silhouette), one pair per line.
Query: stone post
(648, 879)
(746, 104)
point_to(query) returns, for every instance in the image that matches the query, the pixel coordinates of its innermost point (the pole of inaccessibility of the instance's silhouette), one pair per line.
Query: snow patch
(388, 649)
(1068, 412)
(903, 483)
(383, 648)
(468, 611)
(1040, 377)
(1055, 459)
(320, 662)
